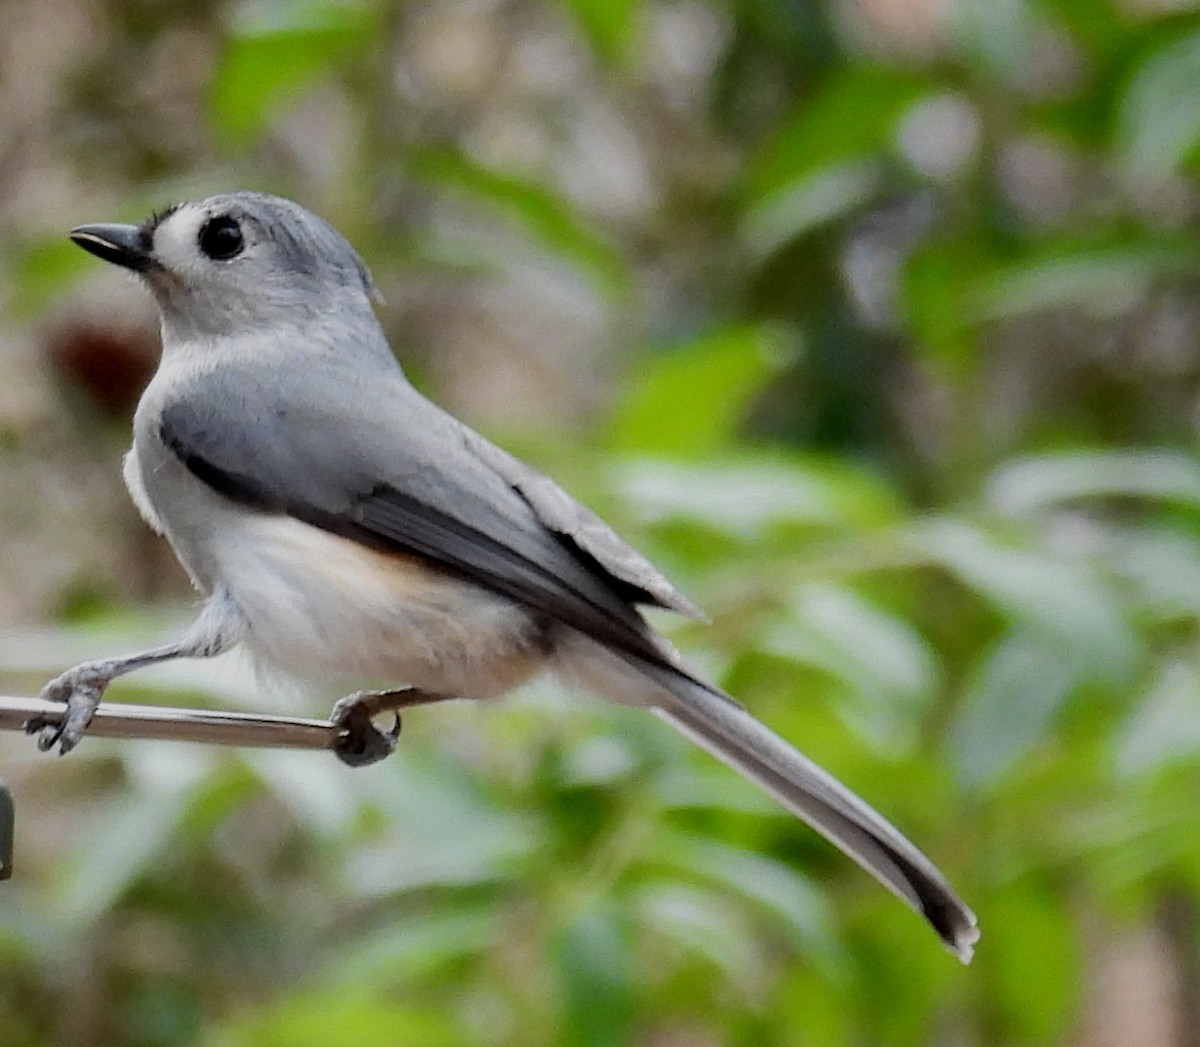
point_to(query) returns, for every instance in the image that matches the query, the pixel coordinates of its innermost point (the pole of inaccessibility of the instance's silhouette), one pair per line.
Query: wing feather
(563, 515)
(411, 487)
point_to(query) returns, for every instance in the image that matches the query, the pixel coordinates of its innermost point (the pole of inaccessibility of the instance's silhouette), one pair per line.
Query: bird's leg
(359, 741)
(219, 626)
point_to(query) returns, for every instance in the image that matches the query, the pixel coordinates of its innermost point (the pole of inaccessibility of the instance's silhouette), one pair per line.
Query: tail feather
(718, 724)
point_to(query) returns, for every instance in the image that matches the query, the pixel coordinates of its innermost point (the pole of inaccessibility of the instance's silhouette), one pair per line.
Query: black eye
(221, 238)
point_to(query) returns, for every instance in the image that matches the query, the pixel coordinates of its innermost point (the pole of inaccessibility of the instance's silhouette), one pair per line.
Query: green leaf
(1042, 482)
(1101, 30)
(1038, 1000)
(127, 835)
(340, 1020)
(420, 798)
(610, 25)
(825, 161)
(1103, 280)
(887, 669)
(807, 1002)
(798, 907)
(998, 35)
(1164, 728)
(1009, 706)
(39, 271)
(692, 399)
(747, 497)
(701, 923)
(413, 945)
(1158, 121)
(849, 119)
(542, 214)
(275, 51)
(805, 203)
(951, 287)
(1162, 569)
(934, 283)
(1069, 606)
(592, 956)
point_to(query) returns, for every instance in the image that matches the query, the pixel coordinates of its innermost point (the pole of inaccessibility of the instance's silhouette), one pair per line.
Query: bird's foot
(80, 689)
(359, 742)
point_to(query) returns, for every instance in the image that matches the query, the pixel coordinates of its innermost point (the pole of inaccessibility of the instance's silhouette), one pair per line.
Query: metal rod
(211, 726)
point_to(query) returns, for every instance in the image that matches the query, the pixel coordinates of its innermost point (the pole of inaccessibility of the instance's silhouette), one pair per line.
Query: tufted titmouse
(343, 527)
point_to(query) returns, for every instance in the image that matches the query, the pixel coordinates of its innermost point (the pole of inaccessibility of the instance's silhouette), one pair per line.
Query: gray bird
(343, 527)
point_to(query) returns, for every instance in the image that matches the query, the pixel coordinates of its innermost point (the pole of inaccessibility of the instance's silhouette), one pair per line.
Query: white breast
(131, 470)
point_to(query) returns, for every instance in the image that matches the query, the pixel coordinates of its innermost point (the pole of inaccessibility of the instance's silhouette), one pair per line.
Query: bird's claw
(80, 691)
(359, 742)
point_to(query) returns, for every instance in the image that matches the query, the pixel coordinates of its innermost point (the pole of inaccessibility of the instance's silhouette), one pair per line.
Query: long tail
(717, 723)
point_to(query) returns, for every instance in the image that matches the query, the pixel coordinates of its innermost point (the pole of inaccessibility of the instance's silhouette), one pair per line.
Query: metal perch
(214, 727)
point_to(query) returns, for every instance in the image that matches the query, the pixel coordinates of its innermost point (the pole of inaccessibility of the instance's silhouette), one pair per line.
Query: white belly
(324, 608)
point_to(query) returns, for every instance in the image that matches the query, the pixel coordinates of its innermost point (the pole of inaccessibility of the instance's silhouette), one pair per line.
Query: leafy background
(873, 321)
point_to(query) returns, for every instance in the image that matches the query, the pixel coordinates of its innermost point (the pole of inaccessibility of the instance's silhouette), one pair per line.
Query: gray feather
(562, 514)
(716, 723)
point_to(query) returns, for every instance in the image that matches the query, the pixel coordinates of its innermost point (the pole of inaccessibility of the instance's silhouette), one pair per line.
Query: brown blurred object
(111, 364)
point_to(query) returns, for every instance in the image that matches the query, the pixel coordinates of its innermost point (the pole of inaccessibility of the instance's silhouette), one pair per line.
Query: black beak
(124, 245)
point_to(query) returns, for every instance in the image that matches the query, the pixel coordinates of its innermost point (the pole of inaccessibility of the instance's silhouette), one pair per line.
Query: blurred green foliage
(919, 431)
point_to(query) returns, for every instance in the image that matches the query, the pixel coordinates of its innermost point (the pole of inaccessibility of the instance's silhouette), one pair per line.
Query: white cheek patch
(176, 240)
